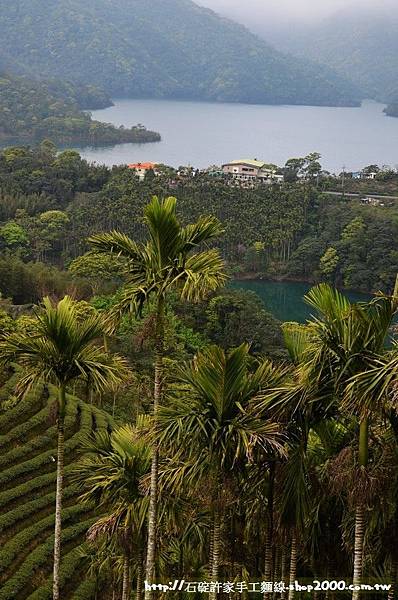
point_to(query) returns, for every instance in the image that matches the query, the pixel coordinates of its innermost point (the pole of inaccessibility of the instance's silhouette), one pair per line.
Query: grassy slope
(27, 497)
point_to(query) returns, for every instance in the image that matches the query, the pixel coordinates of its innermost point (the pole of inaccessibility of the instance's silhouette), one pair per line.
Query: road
(364, 195)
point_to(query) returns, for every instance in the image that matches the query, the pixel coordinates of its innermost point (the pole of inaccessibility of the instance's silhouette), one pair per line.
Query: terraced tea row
(28, 449)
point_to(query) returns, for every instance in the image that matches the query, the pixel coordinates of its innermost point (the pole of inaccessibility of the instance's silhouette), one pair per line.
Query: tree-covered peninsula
(34, 110)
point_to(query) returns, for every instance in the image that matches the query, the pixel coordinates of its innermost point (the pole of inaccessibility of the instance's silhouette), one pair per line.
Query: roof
(144, 165)
(247, 161)
(259, 164)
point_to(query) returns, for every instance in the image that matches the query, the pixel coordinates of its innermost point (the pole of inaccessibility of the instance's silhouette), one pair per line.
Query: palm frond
(202, 273)
(116, 243)
(60, 347)
(297, 338)
(327, 301)
(164, 228)
(204, 230)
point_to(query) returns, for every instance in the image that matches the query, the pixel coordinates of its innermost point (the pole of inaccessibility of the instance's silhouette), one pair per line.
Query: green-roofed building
(248, 169)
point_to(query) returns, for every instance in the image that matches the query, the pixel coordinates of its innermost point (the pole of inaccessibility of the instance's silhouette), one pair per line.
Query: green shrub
(18, 412)
(45, 458)
(85, 591)
(68, 568)
(33, 485)
(20, 431)
(46, 439)
(38, 557)
(30, 508)
(12, 548)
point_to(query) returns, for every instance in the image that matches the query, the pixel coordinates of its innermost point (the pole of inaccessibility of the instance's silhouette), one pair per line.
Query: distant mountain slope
(360, 45)
(163, 49)
(392, 109)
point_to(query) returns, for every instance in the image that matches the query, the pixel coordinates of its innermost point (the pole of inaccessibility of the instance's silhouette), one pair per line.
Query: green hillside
(162, 49)
(27, 496)
(33, 110)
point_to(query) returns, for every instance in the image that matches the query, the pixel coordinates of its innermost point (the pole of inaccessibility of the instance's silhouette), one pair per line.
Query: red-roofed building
(142, 168)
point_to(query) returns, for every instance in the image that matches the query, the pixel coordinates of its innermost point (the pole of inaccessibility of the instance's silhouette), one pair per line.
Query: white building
(247, 170)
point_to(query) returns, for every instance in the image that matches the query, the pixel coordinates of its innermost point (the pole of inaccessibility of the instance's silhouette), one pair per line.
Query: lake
(201, 134)
(285, 299)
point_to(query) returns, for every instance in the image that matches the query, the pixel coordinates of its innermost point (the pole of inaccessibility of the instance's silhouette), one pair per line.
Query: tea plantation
(28, 443)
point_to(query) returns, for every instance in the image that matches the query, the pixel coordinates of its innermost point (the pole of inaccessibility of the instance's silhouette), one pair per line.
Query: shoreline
(258, 277)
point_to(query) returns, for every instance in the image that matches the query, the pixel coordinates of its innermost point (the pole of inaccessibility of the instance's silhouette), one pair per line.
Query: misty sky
(286, 10)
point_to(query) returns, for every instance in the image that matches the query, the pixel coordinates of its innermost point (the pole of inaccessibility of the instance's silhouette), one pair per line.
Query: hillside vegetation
(50, 203)
(28, 445)
(31, 111)
(163, 49)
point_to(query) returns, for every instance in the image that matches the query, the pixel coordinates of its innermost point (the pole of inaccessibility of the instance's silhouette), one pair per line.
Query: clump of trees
(34, 110)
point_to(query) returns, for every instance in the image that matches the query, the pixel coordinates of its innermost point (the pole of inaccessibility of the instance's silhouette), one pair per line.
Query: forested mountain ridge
(31, 111)
(163, 49)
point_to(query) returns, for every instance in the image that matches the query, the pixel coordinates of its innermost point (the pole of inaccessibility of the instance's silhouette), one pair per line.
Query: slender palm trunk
(360, 524)
(358, 548)
(269, 531)
(215, 563)
(277, 569)
(284, 567)
(211, 550)
(293, 564)
(105, 342)
(140, 582)
(153, 500)
(126, 578)
(316, 595)
(59, 492)
(394, 573)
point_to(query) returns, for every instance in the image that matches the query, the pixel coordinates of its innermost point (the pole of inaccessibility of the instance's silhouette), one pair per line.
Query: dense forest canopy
(51, 202)
(162, 49)
(33, 110)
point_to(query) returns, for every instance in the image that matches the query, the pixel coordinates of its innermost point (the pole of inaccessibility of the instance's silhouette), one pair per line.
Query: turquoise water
(285, 299)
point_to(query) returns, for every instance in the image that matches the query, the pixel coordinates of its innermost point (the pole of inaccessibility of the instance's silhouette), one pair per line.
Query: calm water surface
(285, 299)
(201, 134)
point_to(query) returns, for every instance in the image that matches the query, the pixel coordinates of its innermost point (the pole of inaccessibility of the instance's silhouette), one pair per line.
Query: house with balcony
(252, 170)
(141, 169)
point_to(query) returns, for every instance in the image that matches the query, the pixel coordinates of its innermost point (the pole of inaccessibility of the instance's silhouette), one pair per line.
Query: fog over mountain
(356, 38)
(274, 18)
(251, 11)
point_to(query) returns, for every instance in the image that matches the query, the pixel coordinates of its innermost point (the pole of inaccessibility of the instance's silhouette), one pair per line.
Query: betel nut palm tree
(61, 348)
(173, 257)
(214, 407)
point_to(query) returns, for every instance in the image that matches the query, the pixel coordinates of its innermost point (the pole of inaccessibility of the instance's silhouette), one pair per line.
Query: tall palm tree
(61, 348)
(110, 474)
(344, 340)
(171, 258)
(214, 407)
(374, 391)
